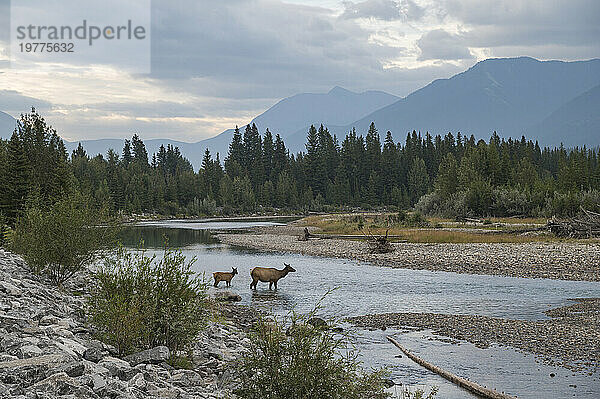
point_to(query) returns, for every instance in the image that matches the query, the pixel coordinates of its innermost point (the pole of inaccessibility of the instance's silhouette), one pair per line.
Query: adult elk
(224, 276)
(269, 274)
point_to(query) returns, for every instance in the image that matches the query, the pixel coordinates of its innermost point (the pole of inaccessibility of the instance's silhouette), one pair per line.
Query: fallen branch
(584, 225)
(379, 245)
(461, 382)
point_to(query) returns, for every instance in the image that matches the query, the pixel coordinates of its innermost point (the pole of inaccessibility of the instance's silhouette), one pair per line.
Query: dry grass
(360, 224)
(460, 237)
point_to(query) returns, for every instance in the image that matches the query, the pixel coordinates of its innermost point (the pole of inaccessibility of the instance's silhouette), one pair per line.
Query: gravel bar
(571, 338)
(559, 261)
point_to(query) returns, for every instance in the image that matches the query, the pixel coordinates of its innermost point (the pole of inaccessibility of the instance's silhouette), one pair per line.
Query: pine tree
(446, 182)
(235, 157)
(127, 157)
(389, 167)
(17, 179)
(268, 155)
(79, 152)
(418, 180)
(140, 155)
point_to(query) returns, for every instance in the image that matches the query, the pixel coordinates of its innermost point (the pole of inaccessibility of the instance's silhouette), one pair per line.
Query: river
(361, 288)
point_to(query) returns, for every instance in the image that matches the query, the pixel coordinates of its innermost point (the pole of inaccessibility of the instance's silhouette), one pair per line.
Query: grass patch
(426, 236)
(379, 223)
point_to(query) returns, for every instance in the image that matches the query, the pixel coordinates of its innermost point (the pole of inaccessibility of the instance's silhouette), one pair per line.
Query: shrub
(61, 240)
(307, 362)
(139, 302)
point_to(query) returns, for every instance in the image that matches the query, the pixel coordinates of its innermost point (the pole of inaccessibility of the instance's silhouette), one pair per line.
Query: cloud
(220, 63)
(441, 45)
(387, 10)
(260, 49)
(555, 25)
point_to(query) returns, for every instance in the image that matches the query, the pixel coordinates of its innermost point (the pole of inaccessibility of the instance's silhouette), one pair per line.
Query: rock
(388, 382)
(27, 351)
(72, 369)
(118, 368)
(93, 355)
(9, 289)
(215, 354)
(185, 378)
(24, 372)
(48, 320)
(138, 382)
(72, 347)
(59, 383)
(155, 355)
(317, 322)
(227, 296)
(96, 382)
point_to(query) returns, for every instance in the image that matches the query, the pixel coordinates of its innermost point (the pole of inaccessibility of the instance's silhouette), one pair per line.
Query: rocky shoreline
(47, 350)
(561, 261)
(571, 338)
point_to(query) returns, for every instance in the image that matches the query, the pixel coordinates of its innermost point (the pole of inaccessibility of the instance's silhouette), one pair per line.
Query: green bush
(139, 302)
(61, 240)
(303, 361)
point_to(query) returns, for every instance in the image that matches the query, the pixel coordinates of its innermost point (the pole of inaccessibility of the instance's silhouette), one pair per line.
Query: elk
(269, 274)
(224, 276)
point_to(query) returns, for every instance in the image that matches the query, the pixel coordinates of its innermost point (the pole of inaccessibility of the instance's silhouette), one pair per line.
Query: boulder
(155, 355)
(186, 378)
(72, 347)
(118, 368)
(25, 372)
(93, 355)
(27, 351)
(72, 369)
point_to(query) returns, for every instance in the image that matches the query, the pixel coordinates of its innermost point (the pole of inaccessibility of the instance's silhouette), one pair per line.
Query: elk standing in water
(224, 276)
(269, 274)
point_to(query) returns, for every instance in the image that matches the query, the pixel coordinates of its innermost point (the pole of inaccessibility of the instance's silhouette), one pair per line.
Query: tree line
(452, 176)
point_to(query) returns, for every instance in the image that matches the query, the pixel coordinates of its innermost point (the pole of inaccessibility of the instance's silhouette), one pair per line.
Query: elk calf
(269, 274)
(224, 276)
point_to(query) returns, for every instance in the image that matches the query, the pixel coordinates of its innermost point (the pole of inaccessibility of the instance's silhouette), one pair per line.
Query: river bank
(557, 260)
(47, 350)
(569, 339)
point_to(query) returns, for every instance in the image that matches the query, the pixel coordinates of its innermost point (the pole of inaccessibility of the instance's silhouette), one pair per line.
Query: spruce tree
(127, 157)
(17, 179)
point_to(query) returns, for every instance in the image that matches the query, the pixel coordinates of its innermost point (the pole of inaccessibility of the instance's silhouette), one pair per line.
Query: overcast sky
(216, 64)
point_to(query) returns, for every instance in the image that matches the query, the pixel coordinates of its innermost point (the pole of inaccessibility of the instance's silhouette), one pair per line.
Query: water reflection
(154, 237)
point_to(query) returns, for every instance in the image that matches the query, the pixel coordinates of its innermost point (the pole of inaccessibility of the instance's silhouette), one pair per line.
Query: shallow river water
(362, 288)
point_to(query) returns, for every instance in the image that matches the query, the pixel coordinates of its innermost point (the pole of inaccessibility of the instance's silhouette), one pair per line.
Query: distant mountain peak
(338, 90)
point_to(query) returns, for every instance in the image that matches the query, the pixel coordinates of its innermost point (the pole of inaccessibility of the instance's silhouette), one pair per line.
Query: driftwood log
(461, 382)
(305, 235)
(379, 244)
(584, 225)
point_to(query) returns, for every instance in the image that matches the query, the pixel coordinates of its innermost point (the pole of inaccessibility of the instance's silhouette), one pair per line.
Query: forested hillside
(451, 176)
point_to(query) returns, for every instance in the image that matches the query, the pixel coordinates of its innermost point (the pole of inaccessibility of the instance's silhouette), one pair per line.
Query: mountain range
(553, 102)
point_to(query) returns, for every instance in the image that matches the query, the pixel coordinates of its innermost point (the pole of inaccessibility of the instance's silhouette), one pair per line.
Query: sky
(215, 64)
